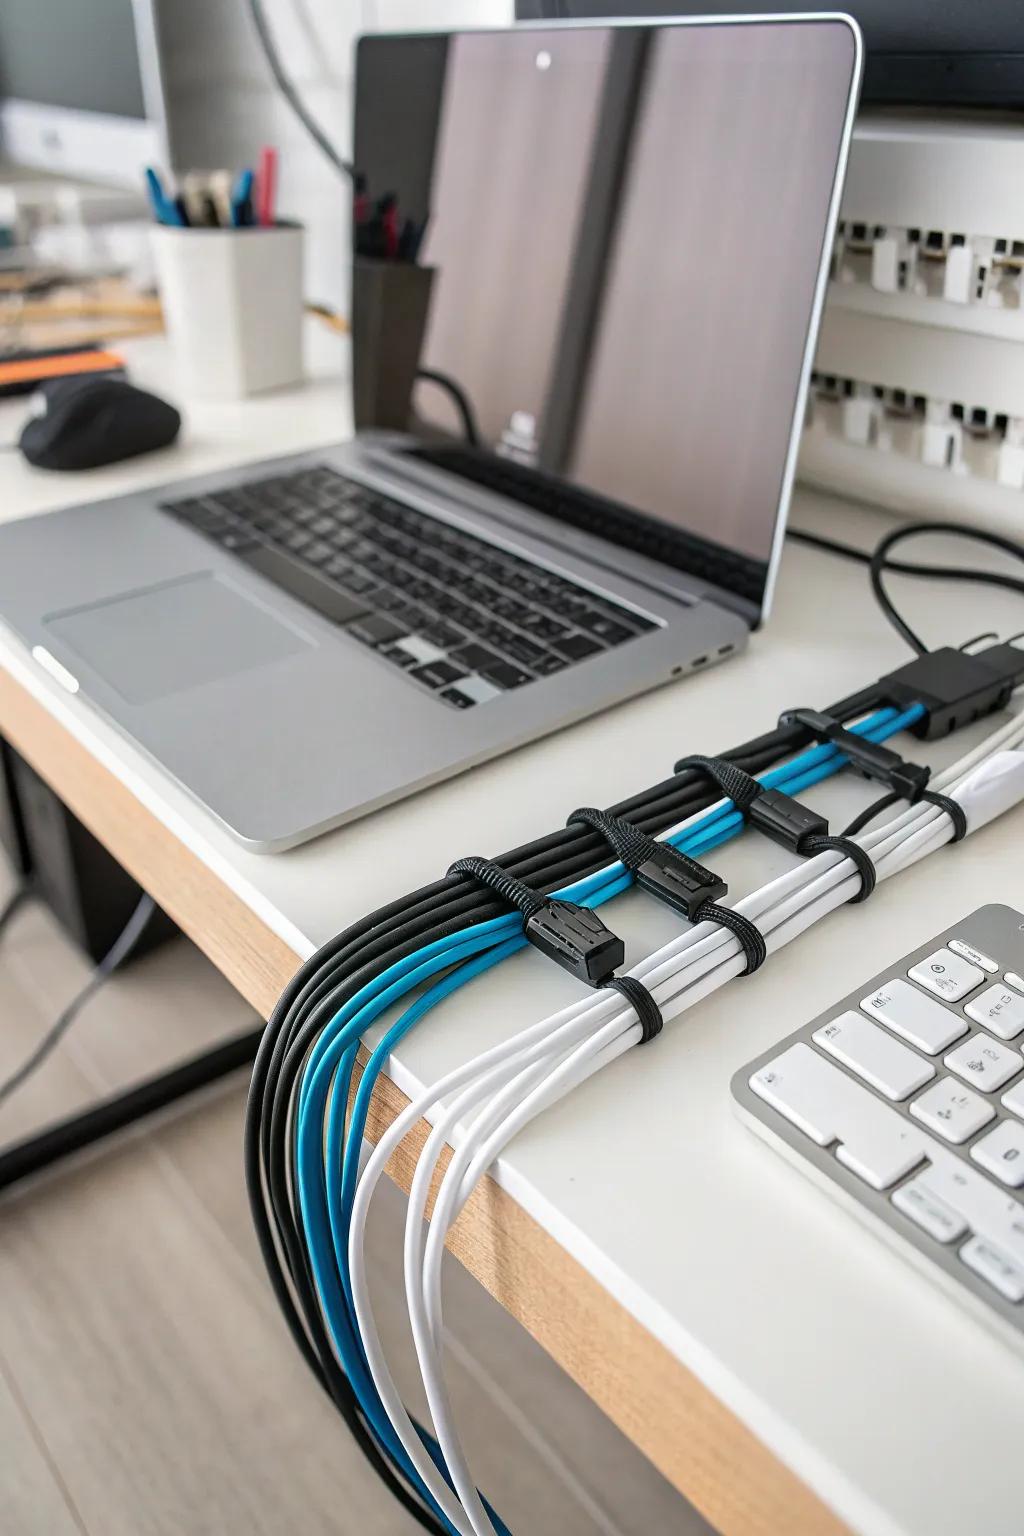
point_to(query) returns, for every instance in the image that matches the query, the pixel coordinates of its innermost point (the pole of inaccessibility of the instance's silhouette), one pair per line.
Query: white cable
(473, 1158)
(528, 1072)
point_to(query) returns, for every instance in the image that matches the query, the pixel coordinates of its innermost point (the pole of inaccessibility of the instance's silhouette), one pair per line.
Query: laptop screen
(586, 261)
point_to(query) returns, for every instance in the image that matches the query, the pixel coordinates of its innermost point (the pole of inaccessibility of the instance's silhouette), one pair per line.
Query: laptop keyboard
(465, 619)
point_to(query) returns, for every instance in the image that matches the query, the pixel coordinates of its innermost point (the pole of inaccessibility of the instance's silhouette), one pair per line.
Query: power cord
(291, 95)
(879, 564)
(460, 400)
(912, 530)
(119, 951)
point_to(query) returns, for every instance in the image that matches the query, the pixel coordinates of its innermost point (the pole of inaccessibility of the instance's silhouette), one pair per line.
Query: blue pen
(241, 200)
(164, 209)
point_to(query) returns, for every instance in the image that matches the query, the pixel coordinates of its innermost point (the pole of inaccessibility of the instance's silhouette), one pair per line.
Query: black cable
(119, 951)
(845, 551)
(869, 813)
(912, 530)
(291, 95)
(460, 399)
(16, 900)
(879, 564)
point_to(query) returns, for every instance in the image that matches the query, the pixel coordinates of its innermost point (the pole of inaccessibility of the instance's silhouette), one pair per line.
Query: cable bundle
(482, 1105)
(427, 945)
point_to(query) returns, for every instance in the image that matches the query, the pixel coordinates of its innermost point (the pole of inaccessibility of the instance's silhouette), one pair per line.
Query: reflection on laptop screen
(625, 228)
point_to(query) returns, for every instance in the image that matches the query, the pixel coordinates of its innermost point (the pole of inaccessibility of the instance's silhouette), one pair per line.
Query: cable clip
(778, 816)
(574, 937)
(908, 780)
(672, 877)
(782, 818)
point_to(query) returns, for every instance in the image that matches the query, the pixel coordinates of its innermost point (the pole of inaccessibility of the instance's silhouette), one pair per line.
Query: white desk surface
(899, 1410)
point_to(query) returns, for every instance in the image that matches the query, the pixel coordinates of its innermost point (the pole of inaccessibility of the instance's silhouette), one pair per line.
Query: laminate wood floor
(147, 1384)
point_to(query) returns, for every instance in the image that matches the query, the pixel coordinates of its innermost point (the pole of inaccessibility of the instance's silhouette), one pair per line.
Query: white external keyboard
(908, 1096)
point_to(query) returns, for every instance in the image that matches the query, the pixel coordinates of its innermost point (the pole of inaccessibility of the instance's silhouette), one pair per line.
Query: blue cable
(326, 1210)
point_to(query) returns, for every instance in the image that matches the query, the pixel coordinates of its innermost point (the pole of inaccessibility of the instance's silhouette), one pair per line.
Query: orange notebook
(20, 374)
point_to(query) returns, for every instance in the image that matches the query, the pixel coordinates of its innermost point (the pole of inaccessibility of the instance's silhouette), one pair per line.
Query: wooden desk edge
(689, 1435)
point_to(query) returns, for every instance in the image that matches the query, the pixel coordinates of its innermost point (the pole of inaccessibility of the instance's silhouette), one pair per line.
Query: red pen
(266, 187)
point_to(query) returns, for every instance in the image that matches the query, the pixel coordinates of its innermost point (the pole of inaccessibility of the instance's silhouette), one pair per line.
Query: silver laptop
(589, 265)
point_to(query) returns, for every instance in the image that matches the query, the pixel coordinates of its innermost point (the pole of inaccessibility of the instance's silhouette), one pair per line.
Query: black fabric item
(855, 853)
(750, 936)
(953, 809)
(512, 891)
(647, 1010)
(737, 786)
(630, 846)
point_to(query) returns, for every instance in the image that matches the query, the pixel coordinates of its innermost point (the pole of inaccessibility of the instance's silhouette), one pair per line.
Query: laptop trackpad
(165, 639)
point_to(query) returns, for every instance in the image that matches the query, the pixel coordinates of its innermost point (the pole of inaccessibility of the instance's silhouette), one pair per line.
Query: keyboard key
(458, 698)
(422, 649)
(928, 1211)
(318, 553)
(1013, 980)
(947, 975)
(984, 1062)
(576, 647)
(875, 1056)
(952, 1110)
(395, 654)
(917, 1019)
(1001, 1272)
(475, 657)
(438, 674)
(999, 1009)
(875, 1142)
(304, 584)
(540, 624)
(1002, 1153)
(968, 952)
(1013, 1098)
(357, 581)
(603, 625)
(505, 675)
(442, 635)
(377, 629)
(478, 689)
(549, 664)
(988, 1210)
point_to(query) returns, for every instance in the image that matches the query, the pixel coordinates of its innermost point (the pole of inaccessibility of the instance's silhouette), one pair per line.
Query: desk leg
(123, 1109)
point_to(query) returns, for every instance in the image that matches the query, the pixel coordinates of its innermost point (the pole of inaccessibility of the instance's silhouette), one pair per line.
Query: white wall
(223, 105)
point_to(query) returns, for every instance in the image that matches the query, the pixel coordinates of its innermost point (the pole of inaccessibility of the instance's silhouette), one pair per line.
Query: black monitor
(965, 53)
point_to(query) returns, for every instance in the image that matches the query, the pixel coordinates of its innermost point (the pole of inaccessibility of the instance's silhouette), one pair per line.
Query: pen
(241, 200)
(166, 210)
(266, 187)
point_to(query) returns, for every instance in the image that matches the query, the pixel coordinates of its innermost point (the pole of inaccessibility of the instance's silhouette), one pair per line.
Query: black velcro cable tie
(515, 893)
(646, 1009)
(953, 809)
(857, 856)
(675, 879)
(736, 784)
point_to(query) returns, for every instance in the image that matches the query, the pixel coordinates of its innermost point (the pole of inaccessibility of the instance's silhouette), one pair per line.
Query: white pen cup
(232, 303)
